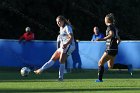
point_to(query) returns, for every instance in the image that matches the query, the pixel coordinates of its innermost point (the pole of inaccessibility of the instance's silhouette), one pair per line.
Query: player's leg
(112, 54)
(62, 61)
(48, 64)
(101, 62)
(111, 62)
(63, 58)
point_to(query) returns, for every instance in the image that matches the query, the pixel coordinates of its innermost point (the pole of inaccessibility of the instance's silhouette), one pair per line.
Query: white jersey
(64, 32)
(64, 38)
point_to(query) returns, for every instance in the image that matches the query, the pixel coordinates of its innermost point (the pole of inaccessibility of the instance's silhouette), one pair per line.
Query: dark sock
(100, 72)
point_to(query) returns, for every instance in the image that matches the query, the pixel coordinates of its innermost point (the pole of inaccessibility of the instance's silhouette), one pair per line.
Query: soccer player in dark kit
(112, 42)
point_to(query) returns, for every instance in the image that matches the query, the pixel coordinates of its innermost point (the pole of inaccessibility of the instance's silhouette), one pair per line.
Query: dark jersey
(111, 44)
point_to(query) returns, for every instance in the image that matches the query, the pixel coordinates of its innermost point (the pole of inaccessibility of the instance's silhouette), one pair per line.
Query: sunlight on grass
(13, 82)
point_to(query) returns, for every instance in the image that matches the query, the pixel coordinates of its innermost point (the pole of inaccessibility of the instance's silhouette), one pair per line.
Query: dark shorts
(112, 52)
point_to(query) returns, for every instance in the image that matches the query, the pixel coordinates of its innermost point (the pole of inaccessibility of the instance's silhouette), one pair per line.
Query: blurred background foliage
(41, 15)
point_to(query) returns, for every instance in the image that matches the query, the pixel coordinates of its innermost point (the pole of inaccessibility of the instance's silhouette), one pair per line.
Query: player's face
(96, 30)
(59, 22)
(106, 20)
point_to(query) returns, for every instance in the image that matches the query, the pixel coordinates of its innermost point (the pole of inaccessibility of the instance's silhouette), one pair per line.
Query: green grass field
(79, 81)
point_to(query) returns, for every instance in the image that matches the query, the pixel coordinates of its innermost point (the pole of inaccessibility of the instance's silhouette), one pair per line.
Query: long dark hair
(111, 18)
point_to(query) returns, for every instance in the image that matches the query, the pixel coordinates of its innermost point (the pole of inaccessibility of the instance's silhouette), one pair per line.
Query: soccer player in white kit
(67, 46)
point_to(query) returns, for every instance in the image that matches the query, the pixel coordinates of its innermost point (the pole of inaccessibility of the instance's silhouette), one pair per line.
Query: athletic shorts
(68, 50)
(112, 52)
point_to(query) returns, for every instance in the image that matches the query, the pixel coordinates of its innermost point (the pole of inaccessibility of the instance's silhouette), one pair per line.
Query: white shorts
(68, 50)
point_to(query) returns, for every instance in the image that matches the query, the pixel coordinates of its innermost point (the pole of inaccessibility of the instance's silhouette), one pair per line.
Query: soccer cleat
(37, 71)
(60, 79)
(98, 80)
(131, 74)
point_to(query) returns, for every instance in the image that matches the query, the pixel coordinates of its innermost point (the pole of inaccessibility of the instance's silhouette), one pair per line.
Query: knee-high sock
(61, 70)
(47, 65)
(100, 72)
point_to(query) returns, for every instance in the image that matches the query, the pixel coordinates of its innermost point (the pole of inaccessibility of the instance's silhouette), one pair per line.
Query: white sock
(47, 65)
(61, 70)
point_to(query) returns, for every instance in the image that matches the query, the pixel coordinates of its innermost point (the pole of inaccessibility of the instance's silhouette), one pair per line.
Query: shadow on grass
(47, 80)
(82, 74)
(67, 90)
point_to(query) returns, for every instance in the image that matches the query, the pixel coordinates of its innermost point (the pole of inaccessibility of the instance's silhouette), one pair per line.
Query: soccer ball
(25, 71)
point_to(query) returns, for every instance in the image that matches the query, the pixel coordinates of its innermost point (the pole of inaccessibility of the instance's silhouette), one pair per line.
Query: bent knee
(100, 63)
(110, 67)
(62, 61)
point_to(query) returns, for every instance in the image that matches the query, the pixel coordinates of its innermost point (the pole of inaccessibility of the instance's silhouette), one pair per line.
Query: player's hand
(99, 39)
